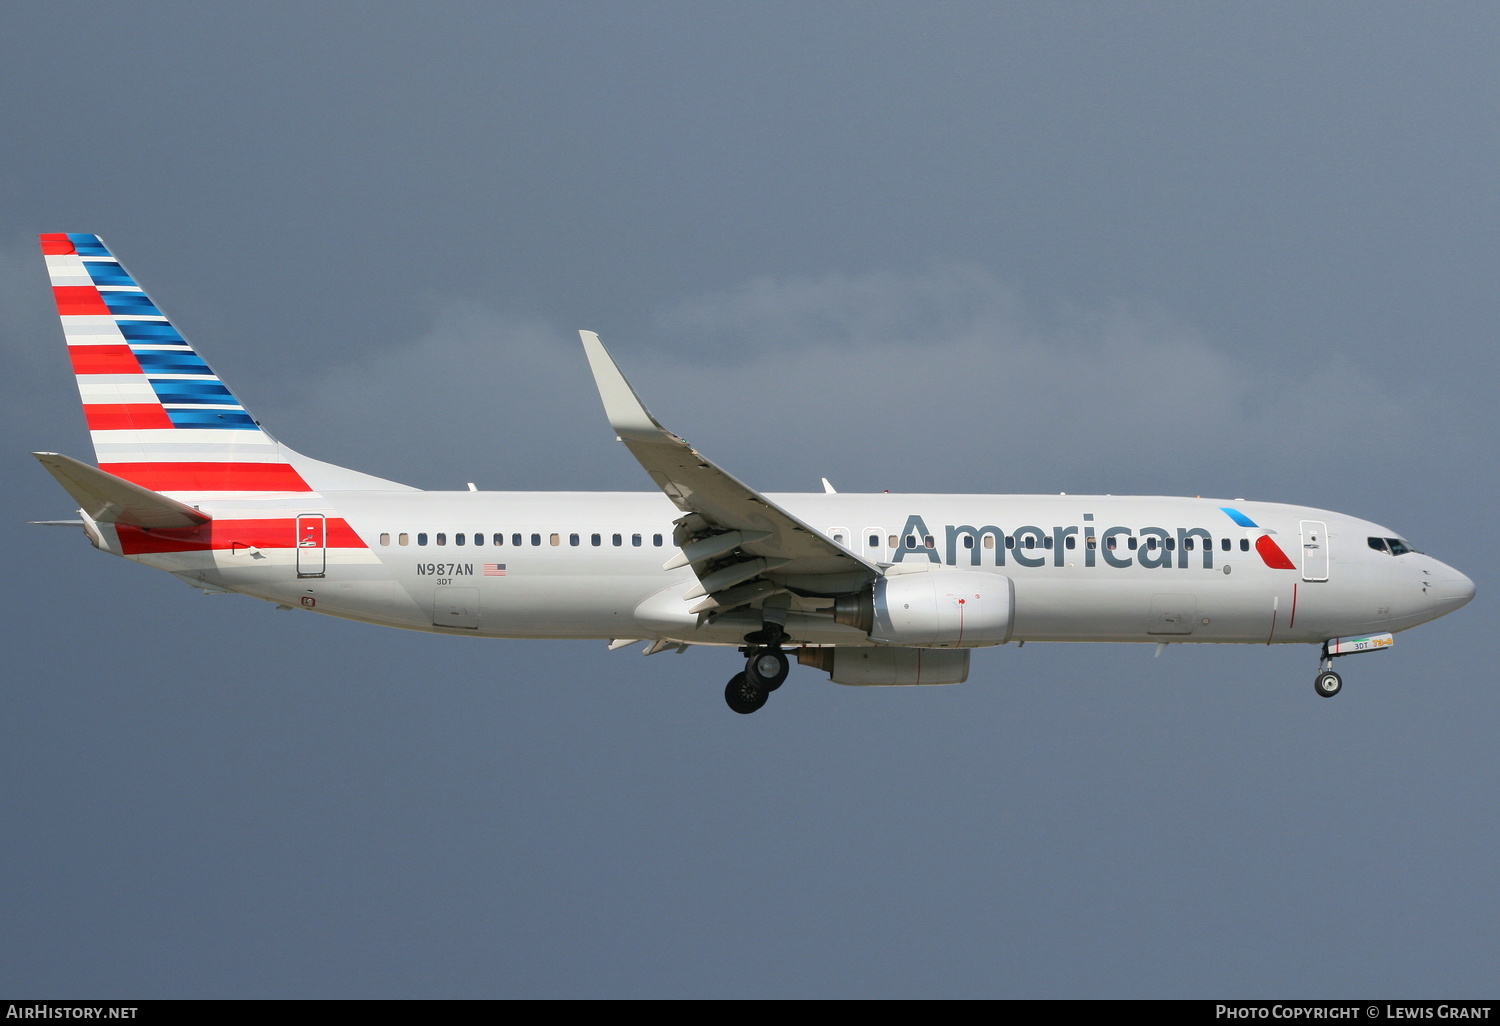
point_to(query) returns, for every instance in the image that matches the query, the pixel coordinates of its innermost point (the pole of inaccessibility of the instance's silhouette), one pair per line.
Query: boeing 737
(884, 589)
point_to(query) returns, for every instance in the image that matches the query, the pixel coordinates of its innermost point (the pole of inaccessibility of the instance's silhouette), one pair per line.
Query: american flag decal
(494, 569)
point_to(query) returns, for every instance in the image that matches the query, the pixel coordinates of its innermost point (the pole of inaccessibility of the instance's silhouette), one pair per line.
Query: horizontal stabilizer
(114, 500)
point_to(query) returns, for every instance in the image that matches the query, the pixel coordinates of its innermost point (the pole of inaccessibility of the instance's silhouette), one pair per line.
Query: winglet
(626, 413)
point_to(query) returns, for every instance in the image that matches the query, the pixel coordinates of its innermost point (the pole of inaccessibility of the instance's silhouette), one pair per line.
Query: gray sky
(1236, 250)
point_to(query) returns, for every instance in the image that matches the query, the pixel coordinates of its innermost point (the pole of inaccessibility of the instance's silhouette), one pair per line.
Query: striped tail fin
(158, 414)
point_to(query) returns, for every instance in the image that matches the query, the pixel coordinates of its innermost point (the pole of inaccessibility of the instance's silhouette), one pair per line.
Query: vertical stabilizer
(158, 414)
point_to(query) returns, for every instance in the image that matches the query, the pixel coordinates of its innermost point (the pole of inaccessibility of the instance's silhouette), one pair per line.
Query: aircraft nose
(1450, 590)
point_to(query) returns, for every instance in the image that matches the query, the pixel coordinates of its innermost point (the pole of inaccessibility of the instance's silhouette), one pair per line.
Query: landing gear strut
(766, 669)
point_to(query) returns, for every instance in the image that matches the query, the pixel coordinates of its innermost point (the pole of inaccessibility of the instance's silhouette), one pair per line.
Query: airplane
(871, 589)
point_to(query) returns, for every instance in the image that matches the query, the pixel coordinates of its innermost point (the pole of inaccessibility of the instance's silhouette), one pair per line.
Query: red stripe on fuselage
(126, 416)
(1272, 554)
(103, 360)
(74, 300)
(231, 534)
(210, 477)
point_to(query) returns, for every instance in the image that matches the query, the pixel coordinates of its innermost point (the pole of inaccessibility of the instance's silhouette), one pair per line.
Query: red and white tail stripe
(159, 416)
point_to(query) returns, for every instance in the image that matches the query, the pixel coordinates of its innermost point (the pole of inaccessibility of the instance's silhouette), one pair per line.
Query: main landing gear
(766, 669)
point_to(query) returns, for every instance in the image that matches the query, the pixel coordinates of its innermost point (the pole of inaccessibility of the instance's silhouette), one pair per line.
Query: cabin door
(1314, 550)
(312, 541)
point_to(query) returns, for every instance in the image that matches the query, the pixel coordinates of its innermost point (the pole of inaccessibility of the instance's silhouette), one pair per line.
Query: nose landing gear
(1328, 683)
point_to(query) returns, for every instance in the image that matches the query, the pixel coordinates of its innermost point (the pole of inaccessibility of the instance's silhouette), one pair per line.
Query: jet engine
(940, 607)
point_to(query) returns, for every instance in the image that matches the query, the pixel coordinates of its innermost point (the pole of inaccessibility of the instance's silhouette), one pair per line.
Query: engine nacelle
(942, 608)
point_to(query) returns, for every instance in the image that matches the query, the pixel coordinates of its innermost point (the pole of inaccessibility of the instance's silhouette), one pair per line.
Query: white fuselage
(589, 564)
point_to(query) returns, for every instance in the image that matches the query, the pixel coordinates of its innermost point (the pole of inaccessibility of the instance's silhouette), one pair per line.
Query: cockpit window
(1378, 544)
(1399, 547)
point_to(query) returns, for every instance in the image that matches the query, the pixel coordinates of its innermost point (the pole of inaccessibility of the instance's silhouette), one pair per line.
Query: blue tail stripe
(232, 419)
(157, 361)
(149, 331)
(87, 245)
(102, 273)
(202, 392)
(129, 303)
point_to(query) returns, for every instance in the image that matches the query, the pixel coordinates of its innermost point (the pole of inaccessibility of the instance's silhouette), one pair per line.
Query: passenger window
(1244, 544)
(617, 539)
(458, 539)
(403, 538)
(1047, 542)
(1131, 544)
(656, 540)
(1030, 542)
(989, 541)
(572, 539)
(927, 541)
(536, 539)
(635, 540)
(421, 537)
(968, 541)
(442, 539)
(1109, 543)
(595, 539)
(1070, 542)
(555, 539)
(478, 537)
(1225, 544)
(515, 539)
(1170, 543)
(892, 541)
(385, 538)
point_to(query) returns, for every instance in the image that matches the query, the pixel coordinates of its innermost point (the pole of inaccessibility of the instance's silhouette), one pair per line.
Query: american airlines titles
(1032, 546)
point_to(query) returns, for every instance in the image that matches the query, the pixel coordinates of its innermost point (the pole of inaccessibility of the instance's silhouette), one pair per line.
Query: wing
(743, 547)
